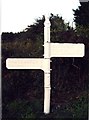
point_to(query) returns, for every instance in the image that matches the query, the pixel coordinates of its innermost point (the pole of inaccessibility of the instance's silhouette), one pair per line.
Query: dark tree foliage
(81, 18)
(35, 30)
(9, 36)
(81, 15)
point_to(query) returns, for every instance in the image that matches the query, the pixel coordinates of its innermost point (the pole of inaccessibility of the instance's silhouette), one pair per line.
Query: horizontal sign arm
(27, 63)
(67, 50)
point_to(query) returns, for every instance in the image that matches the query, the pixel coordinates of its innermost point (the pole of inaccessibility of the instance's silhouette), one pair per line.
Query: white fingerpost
(47, 86)
(50, 50)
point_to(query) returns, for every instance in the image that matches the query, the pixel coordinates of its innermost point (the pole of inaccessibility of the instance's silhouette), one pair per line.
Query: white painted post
(47, 86)
(50, 50)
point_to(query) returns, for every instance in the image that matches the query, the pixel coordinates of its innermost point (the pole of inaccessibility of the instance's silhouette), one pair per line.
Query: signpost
(50, 50)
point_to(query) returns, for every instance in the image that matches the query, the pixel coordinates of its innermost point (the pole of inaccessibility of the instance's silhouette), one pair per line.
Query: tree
(37, 29)
(81, 15)
(81, 18)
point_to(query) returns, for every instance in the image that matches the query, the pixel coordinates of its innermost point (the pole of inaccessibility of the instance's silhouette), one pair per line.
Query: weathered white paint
(50, 50)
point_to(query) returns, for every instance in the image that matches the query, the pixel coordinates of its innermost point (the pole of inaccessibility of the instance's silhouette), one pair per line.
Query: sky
(16, 15)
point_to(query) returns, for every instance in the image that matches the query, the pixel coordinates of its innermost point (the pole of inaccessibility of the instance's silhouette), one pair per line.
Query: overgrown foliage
(81, 14)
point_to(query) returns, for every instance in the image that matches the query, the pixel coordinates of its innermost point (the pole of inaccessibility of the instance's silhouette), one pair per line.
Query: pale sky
(16, 15)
